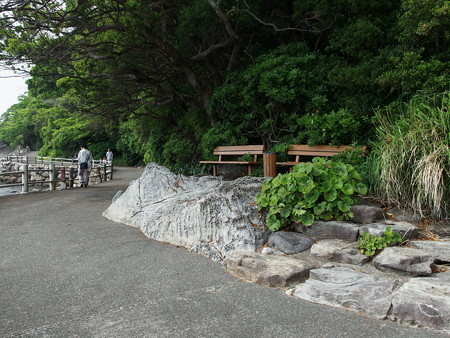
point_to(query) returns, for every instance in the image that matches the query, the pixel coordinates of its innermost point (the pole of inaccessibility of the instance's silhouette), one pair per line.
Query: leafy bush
(337, 127)
(369, 244)
(321, 189)
(366, 166)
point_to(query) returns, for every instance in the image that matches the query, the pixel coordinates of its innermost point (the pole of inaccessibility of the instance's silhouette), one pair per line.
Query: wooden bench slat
(299, 150)
(220, 151)
(321, 150)
(303, 149)
(313, 153)
(288, 163)
(239, 150)
(230, 162)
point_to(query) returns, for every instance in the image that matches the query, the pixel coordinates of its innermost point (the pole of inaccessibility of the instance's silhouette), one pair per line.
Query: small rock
(347, 231)
(267, 270)
(404, 229)
(338, 251)
(290, 242)
(413, 261)
(366, 214)
(267, 251)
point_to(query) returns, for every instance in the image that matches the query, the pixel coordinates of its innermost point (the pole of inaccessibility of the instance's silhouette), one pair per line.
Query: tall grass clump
(413, 154)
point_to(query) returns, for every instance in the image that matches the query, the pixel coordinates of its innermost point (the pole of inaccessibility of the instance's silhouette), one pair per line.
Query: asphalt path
(65, 271)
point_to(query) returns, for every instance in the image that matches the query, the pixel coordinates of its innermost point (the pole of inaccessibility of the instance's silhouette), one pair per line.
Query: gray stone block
(440, 250)
(290, 242)
(343, 287)
(347, 231)
(423, 302)
(267, 270)
(335, 250)
(404, 229)
(366, 214)
(412, 261)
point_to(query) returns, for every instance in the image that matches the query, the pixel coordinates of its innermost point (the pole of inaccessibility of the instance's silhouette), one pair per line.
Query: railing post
(70, 177)
(99, 172)
(63, 174)
(270, 164)
(52, 176)
(105, 175)
(25, 178)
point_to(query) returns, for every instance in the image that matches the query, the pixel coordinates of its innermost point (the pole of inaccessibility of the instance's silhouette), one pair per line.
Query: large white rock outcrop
(207, 212)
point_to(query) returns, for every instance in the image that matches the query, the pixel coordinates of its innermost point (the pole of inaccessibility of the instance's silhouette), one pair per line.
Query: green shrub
(336, 127)
(370, 244)
(321, 189)
(366, 166)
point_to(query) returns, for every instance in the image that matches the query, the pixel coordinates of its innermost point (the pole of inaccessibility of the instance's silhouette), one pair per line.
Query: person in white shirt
(84, 165)
(109, 156)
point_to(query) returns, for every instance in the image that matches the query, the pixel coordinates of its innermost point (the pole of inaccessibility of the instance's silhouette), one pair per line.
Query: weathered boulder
(336, 250)
(117, 195)
(405, 229)
(366, 214)
(267, 270)
(344, 287)
(440, 250)
(412, 261)
(290, 242)
(346, 231)
(424, 302)
(188, 211)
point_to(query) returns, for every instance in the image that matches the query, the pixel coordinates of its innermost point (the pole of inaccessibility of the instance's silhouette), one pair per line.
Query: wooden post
(111, 176)
(63, 174)
(270, 164)
(71, 177)
(52, 176)
(105, 175)
(25, 178)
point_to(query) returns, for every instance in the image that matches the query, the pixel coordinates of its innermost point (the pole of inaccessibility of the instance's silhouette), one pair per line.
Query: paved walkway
(65, 271)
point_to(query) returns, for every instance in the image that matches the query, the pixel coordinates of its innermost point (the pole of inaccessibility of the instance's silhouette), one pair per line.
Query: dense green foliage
(321, 189)
(167, 81)
(370, 244)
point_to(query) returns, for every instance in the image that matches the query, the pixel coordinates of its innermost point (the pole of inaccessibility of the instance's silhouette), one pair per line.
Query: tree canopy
(168, 80)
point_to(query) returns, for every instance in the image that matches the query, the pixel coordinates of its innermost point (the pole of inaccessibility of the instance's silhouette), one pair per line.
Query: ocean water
(10, 191)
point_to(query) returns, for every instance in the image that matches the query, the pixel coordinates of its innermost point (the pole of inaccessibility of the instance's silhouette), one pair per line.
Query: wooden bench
(301, 150)
(236, 151)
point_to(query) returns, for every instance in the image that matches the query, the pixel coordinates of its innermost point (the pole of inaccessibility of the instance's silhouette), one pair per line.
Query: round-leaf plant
(321, 189)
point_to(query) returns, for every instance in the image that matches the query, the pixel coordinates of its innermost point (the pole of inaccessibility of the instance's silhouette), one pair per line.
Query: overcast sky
(10, 89)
